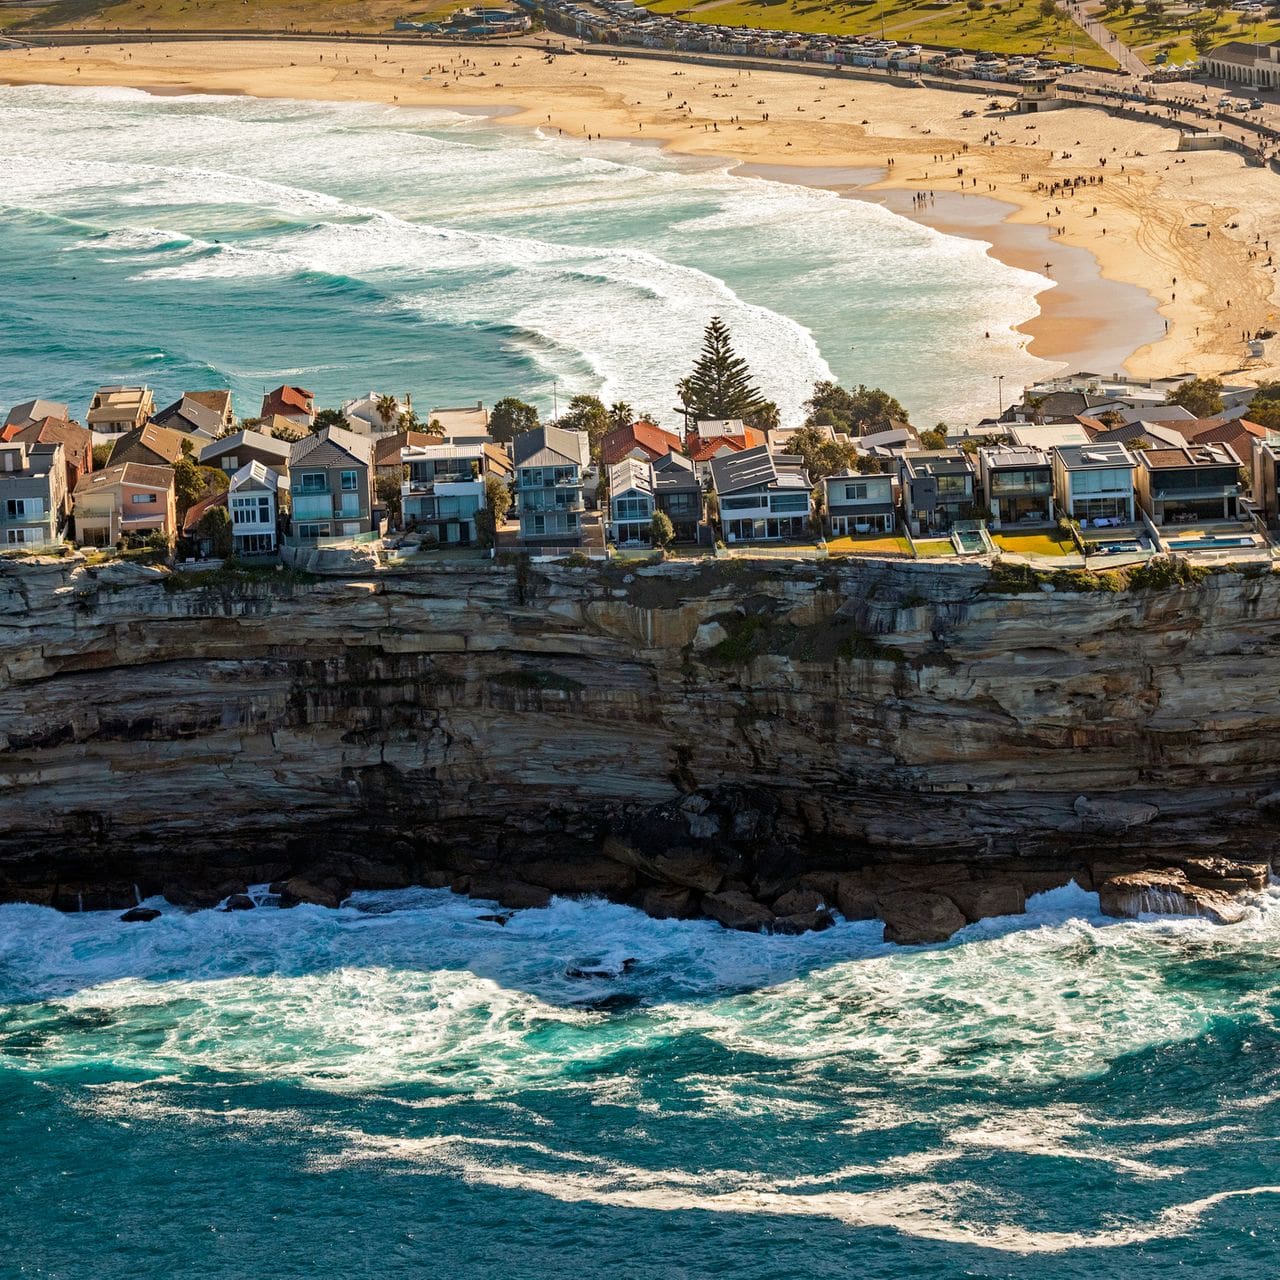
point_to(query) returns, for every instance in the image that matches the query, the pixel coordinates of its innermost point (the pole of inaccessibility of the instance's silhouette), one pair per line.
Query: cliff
(691, 737)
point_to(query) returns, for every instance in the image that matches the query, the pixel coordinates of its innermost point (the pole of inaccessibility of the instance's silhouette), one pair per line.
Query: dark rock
(520, 896)
(434, 879)
(979, 899)
(737, 910)
(803, 922)
(585, 876)
(679, 865)
(855, 898)
(669, 904)
(137, 915)
(299, 890)
(239, 902)
(915, 916)
(501, 918)
(618, 1002)
(798, 902)
(197, 899)
(1112, 816)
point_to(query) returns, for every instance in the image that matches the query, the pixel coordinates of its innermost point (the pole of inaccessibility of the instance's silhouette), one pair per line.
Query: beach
(1164, 251)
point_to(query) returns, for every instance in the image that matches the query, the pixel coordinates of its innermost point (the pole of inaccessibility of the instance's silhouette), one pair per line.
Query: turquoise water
(198, 241)
(400, 1088)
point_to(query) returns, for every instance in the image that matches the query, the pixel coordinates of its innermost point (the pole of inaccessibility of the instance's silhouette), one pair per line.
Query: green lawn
(870, 544)
(935, 547)
(1034, 544)
(1010, 26)
(1171, 31)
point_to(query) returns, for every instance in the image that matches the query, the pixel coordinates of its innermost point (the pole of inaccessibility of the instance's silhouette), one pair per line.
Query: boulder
(803, 922)
(1166, 891)
(679, 865)
(239, 902)
(708, 635)
(500, 918)
(737, 910)
(589, 875)
(1227, 874)
(298, 890)
(913, 916)
(194, 899)
(855, 899)
(140, 915)
(798, 902)
(1113, 816)
(668, 904)
(979, 899)
(519, 895)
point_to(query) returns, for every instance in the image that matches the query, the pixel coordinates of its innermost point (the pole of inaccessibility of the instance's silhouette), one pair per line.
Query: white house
(253, 503)
(860, 504)
(631, 501)
(443, 489)
(762, 496)
(1094, 483)
(362, 415)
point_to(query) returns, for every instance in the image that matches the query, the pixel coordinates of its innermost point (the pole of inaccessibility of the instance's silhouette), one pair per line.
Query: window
(313, 531)
(312, 482)
(1102, 480)
(24, 508)
(742, 504)
(855, 492)
(539, 524)
(251, 510)
(256, 544)
(24, 535)
(142, 499)
(953, 485)
(632, 508)
(350, 481)
(230, 462)
(789, 502)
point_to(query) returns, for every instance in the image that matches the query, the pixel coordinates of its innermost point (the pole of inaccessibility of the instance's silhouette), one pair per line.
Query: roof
(38, 460)
(1189, 455)
(628, 474)
(705, 450)
(1239, 433)
(247, 440)
(33, 410)
(77, 440)
(218, 401)
(136, 473)
(754, 467)
(1240, 54)
(647, 436)
(1077, 457)
(1155, 413)
(550, 447)
(1048, 435)
(331, 447)
(497, 459)
(1155, 432)
(291, 397)
(197, 416)
(470, 419)
(258, 475)
(709, 428)
(1013, 456)
(164, 442)
(386, 448)
(197, 509)
(938, 462)
(674, 471)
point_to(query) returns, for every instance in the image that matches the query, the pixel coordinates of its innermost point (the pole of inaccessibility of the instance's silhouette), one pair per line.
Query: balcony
(312, 506)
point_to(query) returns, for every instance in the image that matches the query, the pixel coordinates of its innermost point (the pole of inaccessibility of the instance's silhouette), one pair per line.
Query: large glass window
(953, 485)
(24, 508)
(789, 502)
(311, 482)
(350, 481)
(1102, 480)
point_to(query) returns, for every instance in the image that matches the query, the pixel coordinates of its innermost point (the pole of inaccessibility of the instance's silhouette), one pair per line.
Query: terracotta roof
(705, 450)
(292, 397)
(646, 435)
(1235, 432)
(162, 442)
(197, 509)
(386, 449)
(127, 473)
(498, 459)
(75, 439)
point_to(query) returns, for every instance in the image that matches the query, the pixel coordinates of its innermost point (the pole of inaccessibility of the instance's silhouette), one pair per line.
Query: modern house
(76, 442)
(762, 497)
(364, 416)
(1093, 483)
(642, 440)
(1266, 479)
(443, 489)
(117, 409)
(295, 404)
(253, 503)
(33, 493)
(677, 493)
(631, 502)
(152, 446)
(550, 467)
(29, 411)
(190, 417)
(241, 447)
(937, 487)
(331, 483)
(1018, 484)
(463, 424)
(1190, 483)
(859, 504)
(132, 498)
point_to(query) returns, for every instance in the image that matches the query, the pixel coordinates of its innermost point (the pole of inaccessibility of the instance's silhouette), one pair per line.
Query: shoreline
(1114, 271)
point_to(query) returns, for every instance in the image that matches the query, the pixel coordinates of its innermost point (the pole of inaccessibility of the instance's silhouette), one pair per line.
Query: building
(114, 410)
(29, 411)
(241, 447)
(1093, 483)
(1017, 482)
(194, 542)
(1245, 63)
(631, 504)
(76, 442)
(550, 467)
(190, 417)
(295, 404)
(762, 497)
(677, 493)
(859, 504)
(253, 503)
(120, 501)
(219, 402)
(365, 417)
(152, 446)
(387, 463)
(1190, 483)
(1266, 478)
(443, 489)
(461, 425)
(641, 440)
(1048, 435)
(938, 488)
(331, 485)
(33, 493)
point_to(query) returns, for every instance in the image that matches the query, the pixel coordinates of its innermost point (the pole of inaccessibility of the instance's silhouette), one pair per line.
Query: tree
(620, 415)
(388, 491)
(936, 438)
(191, 483)
(587, 414)
(388, 408)
(1202, 41)
(1201, 397)
(497, 502)
(510, 418)
(870, 465)
(1266, 414)
(435, 428)
(857, 412)
(101, 455)
(822, 457)
(720, 385)
(1265, 393)
(661, 530)
(215, 528)
(327, 418)
(1048, 8)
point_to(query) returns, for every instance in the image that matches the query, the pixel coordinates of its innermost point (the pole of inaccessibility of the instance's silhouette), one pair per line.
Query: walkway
(1107, 39)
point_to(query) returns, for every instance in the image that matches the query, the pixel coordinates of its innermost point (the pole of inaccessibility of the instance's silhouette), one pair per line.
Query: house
(1154, 413)
(762, 496)
(331, 485)
(131, 498)
(33, 493)
(365, 417)
(881, 444)
(29, 411)
(76, 442)
(152, 446)
(938, 485)
(631, 504)
(462, 425)
(550, 466)
(190, 417)
(641, 440)
(1266, 478)
(1093, 483)
(1238, 432)
(1142, 435)
(219, 402)
(678, 494)
(443, 489)
(1256, 66)
(253, 502)
(859, 504)
(117, 409)
(1048, 435)
(234, 451)
(1017, 482)
(387, 463)
(295, 404)
(190, 522)
(1189, 483)
(704, 452)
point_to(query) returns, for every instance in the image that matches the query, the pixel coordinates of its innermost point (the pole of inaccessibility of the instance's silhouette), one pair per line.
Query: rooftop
(1085, 457)
(1189, 455)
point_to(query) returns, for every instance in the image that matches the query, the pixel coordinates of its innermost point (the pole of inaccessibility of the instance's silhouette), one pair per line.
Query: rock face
(893, 740)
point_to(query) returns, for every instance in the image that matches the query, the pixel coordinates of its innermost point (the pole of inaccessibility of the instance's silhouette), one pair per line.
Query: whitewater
(422, 1084)
(223, 241)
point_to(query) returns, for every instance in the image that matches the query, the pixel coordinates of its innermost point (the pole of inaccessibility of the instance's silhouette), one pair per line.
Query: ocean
(199, 241)
(404, 1088)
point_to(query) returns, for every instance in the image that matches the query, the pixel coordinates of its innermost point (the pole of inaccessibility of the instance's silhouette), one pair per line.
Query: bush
(1163, 573)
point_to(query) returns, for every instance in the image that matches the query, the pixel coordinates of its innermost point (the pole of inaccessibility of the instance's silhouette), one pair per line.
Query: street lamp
(999, 377)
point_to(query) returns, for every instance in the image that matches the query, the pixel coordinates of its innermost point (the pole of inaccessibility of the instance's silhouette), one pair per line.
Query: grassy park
(1156, 27)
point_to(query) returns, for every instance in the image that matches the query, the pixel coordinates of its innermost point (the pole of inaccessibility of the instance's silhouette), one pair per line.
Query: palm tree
(388, 410)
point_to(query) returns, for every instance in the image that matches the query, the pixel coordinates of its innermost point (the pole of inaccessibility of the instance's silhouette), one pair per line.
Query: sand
(1177, 240)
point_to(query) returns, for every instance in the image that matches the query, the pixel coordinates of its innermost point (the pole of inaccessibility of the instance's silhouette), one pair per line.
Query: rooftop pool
(1209, 540)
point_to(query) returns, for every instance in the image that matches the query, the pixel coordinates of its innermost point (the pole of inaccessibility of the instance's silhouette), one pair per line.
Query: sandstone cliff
(694, 738)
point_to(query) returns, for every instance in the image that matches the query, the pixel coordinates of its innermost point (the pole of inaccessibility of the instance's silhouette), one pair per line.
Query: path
(1107, 39)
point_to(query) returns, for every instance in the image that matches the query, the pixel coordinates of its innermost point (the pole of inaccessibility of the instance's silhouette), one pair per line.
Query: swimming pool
(1208, 540)
(968, 541)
